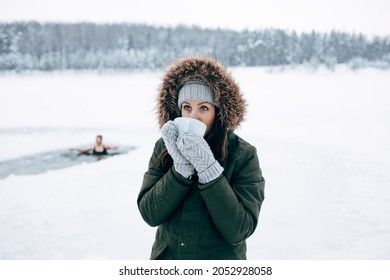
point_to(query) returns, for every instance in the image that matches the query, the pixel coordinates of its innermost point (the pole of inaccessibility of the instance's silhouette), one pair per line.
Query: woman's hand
(196, 150)
(181, 164)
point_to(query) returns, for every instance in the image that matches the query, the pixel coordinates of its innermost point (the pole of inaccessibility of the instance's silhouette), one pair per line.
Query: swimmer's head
(99, 139)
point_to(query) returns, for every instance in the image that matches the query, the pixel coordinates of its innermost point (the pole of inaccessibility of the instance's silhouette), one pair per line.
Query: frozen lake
(323, 141)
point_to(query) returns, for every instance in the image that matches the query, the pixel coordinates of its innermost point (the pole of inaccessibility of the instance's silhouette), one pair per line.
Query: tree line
(55, 46)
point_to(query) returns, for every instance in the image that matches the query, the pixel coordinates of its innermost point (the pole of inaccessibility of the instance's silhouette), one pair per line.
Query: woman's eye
(204, 108)
(186, 107)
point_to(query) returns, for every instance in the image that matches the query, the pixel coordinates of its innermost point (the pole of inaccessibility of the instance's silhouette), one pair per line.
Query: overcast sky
(371, 17)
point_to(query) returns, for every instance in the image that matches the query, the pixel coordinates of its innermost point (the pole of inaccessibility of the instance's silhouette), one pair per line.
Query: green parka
(210, 221)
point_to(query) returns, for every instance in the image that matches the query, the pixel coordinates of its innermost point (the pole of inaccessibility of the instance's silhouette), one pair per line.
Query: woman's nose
(194, 115)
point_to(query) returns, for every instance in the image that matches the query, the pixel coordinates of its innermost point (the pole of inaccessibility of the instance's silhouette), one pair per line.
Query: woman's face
(98, 140)
(199, 110)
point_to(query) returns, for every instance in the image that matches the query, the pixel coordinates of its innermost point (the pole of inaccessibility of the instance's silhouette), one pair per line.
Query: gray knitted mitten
(197, 151)
(181, 164)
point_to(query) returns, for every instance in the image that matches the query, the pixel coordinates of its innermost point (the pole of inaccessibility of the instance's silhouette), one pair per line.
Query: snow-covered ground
(323, 141)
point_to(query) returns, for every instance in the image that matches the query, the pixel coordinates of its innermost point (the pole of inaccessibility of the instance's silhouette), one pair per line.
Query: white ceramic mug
(184, 125)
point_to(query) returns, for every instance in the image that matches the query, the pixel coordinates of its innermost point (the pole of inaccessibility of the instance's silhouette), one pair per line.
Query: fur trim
(227, 93)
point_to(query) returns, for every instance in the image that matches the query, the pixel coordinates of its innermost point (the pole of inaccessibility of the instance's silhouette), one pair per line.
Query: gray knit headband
(195, 89)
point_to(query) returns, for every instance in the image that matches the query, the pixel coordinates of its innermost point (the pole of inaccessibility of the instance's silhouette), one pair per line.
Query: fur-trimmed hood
(227, 93)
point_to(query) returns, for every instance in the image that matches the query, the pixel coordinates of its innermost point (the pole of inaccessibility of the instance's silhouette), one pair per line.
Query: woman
(98, 149)
(203, 193)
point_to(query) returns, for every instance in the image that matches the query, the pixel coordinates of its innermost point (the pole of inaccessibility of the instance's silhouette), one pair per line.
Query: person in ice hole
(99, 149)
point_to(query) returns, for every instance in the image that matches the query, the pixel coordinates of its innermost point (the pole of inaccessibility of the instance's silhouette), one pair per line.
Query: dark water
(42, 162)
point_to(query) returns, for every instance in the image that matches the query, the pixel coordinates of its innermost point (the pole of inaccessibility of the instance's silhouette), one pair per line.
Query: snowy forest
(57, 46)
